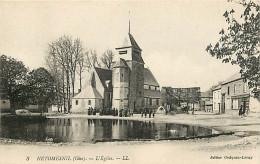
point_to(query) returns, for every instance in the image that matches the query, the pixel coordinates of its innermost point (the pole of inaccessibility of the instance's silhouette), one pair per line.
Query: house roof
(120, 63)
(206, 94)
(89, 93)
(152, 93)
(149, 79)
(233, 78)
(104, 75)
(217, 87)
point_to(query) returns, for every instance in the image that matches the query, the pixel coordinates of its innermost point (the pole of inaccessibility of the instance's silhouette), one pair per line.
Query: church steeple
(129, 28)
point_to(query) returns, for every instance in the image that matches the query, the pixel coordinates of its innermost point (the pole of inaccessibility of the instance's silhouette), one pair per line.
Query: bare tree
(76, 53)
(82, 65)
(58, 73)
(107, 59)
(92, 60)
(66, 53)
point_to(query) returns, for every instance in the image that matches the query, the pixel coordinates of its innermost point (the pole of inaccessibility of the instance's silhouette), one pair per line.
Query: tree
(92, 60)
(41, 85)
(82, 65)
(57, 73)
(107, 59)
(240, 43)
(13, 75)
(66, 53)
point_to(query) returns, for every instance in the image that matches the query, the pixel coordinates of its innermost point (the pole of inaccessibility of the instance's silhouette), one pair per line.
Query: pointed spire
(129, 24)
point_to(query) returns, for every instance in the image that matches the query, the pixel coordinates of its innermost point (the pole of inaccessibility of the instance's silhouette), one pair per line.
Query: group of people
(92, 111)
(111, 112)
(149, 112)
(126, 113)
(121, 113)
(108, 111)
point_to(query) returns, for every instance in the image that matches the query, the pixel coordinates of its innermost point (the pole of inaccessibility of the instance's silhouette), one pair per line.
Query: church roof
(130, 42)
(120, 63)
(152, 93)
(89, 93)
(104, 75)
(149, 79)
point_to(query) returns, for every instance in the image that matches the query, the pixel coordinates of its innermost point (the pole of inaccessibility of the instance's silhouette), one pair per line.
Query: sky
(173, 35)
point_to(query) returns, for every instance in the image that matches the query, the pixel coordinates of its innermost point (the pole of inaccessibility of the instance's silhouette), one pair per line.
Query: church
(129, 85)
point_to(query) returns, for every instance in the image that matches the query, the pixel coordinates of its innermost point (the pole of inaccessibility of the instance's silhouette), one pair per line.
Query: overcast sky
(173, 35)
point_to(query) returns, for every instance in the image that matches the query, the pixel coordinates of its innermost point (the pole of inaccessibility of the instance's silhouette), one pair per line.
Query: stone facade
(234, 94)
(123, 86)
(217, 99)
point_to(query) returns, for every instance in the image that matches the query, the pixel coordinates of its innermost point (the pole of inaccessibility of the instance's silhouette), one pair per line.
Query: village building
(217, 99)
(206, 100)
(127, 86)
(235, 94)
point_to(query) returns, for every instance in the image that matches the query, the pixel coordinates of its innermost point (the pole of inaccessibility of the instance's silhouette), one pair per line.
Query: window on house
(149, 87)
(235, 104)
(157, 101)
(89, 102)
(77, 102)
(235, 88)
(244, 87)
(150, 101)
(122, 75)
(228, 90)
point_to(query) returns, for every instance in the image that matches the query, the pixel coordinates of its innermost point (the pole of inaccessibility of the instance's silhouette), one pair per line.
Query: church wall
(126, 56)
(120, 87)
(136, 99)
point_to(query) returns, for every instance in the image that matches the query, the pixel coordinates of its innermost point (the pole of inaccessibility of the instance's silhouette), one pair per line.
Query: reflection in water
(87, 130)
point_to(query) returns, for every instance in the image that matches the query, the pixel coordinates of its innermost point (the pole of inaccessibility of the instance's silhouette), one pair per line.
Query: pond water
(89, 130)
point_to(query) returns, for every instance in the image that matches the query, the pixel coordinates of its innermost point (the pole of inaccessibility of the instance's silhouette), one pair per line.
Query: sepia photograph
(130, 82)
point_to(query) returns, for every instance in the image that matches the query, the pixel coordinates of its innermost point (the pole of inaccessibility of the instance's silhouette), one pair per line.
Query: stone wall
(136, 98)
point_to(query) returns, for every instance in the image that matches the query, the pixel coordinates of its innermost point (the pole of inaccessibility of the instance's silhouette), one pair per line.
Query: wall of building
(152, 103)
(136, 95)
(216, 100)
(235, 93)
(120, 87)
(82, 105)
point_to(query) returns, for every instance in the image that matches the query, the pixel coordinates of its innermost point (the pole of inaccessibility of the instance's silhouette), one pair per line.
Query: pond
(94, 130)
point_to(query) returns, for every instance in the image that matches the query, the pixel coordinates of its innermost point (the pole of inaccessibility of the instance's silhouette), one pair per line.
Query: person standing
(240, 111)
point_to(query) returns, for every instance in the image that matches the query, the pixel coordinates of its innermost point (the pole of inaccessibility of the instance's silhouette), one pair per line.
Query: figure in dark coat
(240, 111)
(94, 111)
(89, 111)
